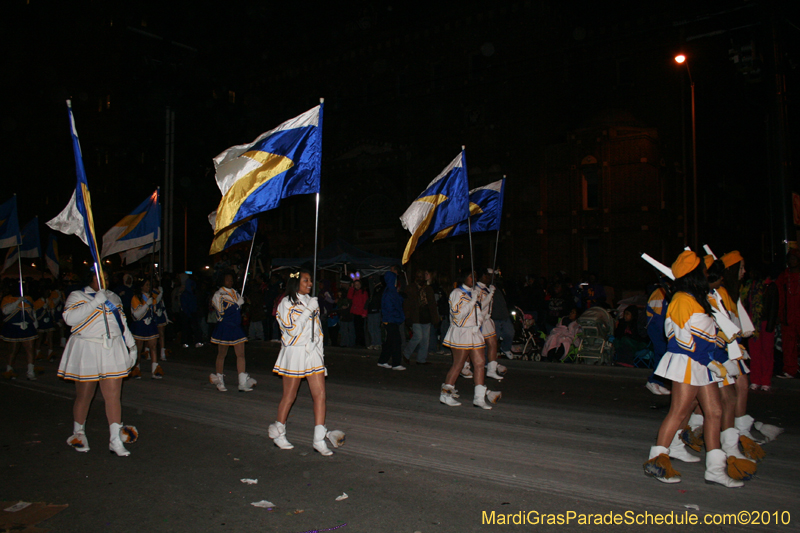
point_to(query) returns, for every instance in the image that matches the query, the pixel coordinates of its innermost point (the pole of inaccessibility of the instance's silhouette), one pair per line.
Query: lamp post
(681, 60)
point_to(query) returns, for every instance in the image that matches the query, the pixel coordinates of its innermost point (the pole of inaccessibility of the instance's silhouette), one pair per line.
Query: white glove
(476, 293)
(732, 367)
(313, 304)
(492, 288)
(100, 298)
(134, 353)
(240, 301)
(718, 369)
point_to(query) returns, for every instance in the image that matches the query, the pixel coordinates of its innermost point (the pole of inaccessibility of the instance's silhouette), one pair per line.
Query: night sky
(526, 72)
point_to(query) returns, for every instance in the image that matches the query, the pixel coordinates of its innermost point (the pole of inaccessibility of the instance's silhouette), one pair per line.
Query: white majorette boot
(739, 467)
(729, 442)
(31, 373)
(246, 382)
(479, 398)
(446, 396)
(78, 439)
(115, 442)
(466, 372)
(769, 431)
(218, 380)
(677, 450)
(750, 447)
(158, 372)
(277, 432)
(716, 463)
(491, 371)
(320, 432)
(660, 467)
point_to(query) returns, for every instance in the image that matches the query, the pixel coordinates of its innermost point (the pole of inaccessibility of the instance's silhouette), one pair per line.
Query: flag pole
(249, 256)
(21, 290)
(471, 255)
(496, 243)
(316, 233)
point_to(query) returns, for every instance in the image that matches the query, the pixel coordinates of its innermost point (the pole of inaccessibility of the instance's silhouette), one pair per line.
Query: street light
(681, 60)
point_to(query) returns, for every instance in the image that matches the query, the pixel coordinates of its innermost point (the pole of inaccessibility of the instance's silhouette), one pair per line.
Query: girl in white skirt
(301, 357)
(493, 368)
(92, 356)
(691, 341)
(228, 304)
(465, 340)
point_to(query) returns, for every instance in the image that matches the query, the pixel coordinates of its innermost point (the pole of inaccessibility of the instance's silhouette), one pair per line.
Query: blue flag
(280, 163)
(51, 256)
(239, 232)
(76, 218)
(29, 247)
(485, 210)
(444, 203)
(141, 227)
(9, 223)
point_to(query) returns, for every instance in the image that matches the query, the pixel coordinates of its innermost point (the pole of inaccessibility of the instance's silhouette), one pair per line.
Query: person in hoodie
(190, 327)
(393, 319)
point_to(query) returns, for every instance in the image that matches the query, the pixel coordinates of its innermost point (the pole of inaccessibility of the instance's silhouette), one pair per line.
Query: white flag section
(70, 221)
(420, 209)
(134, 254)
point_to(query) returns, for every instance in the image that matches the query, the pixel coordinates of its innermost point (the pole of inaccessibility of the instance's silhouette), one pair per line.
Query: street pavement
(563, 439)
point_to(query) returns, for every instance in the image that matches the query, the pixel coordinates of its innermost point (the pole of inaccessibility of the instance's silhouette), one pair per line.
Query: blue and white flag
(234, 234)
(282, 162)
(141, 227)
(29, 247)
(444, 203)
(485, 211)
(9, 223)
(76, 218)
(134, 254)
(51, 256)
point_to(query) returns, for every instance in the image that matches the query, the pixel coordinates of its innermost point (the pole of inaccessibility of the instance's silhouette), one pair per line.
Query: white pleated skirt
(85, 360)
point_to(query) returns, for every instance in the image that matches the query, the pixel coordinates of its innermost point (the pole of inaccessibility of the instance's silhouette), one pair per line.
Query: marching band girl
(228, 304)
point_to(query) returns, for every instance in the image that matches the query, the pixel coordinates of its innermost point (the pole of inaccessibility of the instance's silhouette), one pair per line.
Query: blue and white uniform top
(487, 303)
(143, 309)
(729, 349)
(160, 309)
(691, 342)
(227, 304)
(44, 315)
(466, 320)
(301, 339)
(19, 319)
(93, 352)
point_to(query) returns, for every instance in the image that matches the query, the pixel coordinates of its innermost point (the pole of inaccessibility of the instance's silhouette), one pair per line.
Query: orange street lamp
(681, 60)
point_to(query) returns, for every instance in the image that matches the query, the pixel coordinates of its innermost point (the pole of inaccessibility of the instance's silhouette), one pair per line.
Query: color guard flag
(76, 218)
(134, 254)
(29, 247)
(443, 204)
(485, 210)
(9, 224)
(51, 256)
(234, 234)
(280, 163)
(141, 227)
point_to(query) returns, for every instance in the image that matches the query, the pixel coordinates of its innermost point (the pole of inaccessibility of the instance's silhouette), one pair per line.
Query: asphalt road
(564, 439)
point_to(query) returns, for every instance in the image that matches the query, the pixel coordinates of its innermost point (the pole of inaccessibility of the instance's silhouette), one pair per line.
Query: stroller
(597, 325)
(528, 342)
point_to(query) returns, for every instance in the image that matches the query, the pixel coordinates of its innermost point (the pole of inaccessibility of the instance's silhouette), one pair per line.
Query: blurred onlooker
(358, 297)
(421, 314)
(393, 318)
(788, 284)
(189, 315)
(326, 306)
(374, 314)
(502, 318)
(255, 308)
(760, 298)
(346, 332)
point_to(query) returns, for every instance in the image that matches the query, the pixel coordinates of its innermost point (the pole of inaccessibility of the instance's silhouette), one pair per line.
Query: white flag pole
(497, 240)
(316, 233)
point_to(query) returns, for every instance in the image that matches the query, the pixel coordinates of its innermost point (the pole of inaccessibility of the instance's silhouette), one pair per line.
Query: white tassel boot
(78, 439)
(466, 372)
(115, 442)
(246, 382)
(446, 395)
(491, 371)
(677, 450)
(218, 380)
(158, 373)
(320, 432)
(769, 431)
(479, 398)
(277, 432)
(716, 470)
(660, 467)
(31, 374)
(743, 425)
(729, 442)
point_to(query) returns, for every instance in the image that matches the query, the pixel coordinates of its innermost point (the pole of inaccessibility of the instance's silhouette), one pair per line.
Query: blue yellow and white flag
(485, 211)
(234, 234)
(280, 163)
(134, 254)
(141, 227)
(444, 203)
(9, 223)
(51, 256)
(29, 247)
(76, 218)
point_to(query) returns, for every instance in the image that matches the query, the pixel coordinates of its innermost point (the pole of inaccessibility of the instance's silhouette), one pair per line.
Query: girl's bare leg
(222, 352)
(239, 351)
(459, 358)
(478, 357)
(680, 408)
(316, 383)
(84, 392)
(290, 386)
(112, 391)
